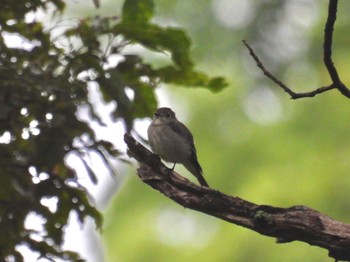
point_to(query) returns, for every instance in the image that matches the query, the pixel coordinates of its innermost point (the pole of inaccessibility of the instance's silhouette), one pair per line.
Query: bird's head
(164, 115)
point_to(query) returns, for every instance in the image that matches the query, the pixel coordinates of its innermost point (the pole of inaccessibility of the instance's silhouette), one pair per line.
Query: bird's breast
(169, 145)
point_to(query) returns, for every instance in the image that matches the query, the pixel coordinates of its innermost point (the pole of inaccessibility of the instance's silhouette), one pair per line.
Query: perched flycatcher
(173, 142)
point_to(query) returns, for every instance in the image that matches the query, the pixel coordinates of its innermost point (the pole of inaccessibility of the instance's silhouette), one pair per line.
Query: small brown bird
(173, 142)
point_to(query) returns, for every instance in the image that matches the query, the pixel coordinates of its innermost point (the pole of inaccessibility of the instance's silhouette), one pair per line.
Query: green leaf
(179, 43)
(138, 11)
(159, 39)
(172, 75)
(216, 84)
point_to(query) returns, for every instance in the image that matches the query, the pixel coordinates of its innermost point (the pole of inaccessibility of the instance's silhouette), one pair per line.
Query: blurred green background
(253, 141)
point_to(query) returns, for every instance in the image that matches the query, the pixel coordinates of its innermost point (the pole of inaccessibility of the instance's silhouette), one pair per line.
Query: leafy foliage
(43, 82)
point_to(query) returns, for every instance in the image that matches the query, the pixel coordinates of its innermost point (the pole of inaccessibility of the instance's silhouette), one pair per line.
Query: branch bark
(296, 223)
(327, 59)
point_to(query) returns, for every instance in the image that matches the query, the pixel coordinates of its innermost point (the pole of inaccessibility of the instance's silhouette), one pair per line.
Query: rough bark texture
(285, 224)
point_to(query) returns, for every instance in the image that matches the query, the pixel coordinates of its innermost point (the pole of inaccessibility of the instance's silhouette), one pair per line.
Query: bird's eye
(167, 115)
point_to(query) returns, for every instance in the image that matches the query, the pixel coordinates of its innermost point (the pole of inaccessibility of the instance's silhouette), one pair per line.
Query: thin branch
(328, 36)
(293, 94)
(327, 48)
(327, 58)
(297, 223)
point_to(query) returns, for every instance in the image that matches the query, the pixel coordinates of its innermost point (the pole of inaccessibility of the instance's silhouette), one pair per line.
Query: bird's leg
(171, 169)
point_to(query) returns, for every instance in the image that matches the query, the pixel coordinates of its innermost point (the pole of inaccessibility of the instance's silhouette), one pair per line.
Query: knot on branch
(263, 219)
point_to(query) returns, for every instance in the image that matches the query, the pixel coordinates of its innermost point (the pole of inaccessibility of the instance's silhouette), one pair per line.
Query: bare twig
(293, 94)
(327, 48)
(327, 58)
(328, 36)
(285, 224)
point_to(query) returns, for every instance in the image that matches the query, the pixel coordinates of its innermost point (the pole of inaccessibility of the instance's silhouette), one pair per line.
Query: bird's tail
(195, 168)
(201, 180)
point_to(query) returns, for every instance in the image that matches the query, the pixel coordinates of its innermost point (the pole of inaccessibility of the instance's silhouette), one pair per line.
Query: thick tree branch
(285, 224)
(327, 58)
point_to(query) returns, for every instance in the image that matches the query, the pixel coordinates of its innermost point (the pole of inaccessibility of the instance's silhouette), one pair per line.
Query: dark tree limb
(327, 58)
(297, 223)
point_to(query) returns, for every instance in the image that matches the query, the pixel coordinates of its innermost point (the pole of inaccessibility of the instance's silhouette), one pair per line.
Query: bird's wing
(182, 130)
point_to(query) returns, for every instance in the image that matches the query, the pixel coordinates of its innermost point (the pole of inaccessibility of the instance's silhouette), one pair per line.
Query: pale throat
(159, 122)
